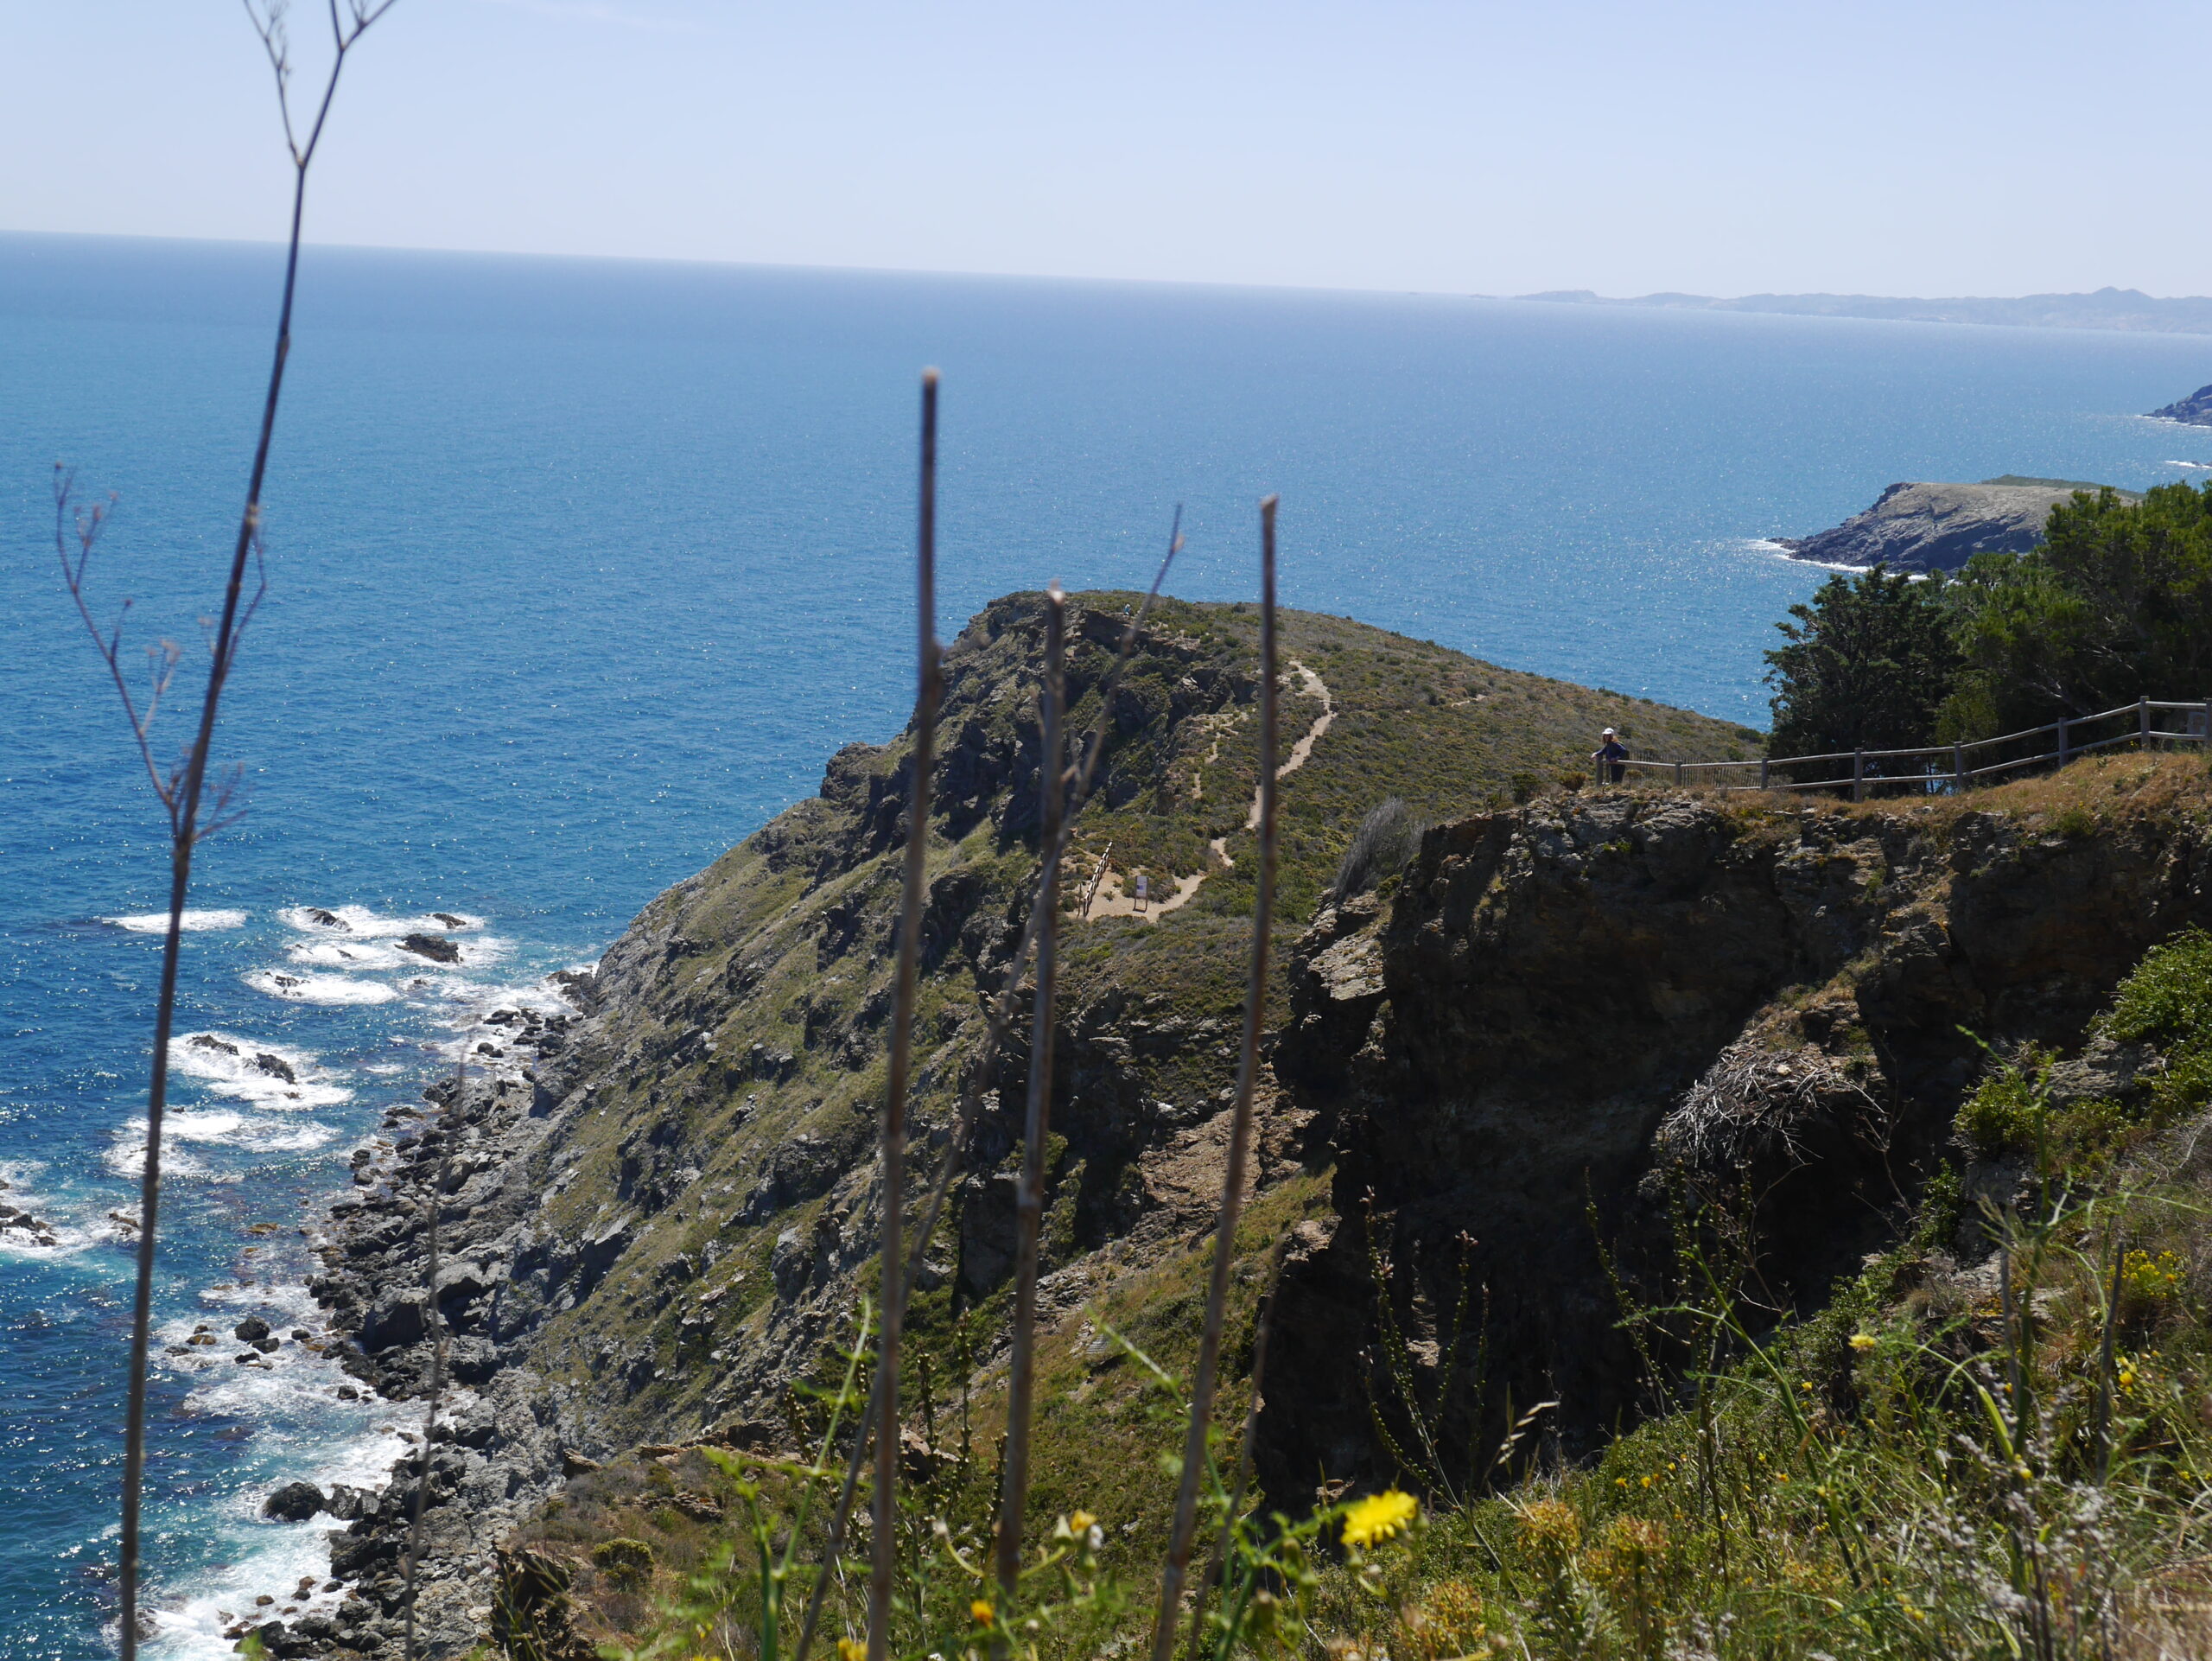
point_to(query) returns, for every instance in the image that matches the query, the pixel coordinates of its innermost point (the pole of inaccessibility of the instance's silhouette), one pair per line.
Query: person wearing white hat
(1611, 755)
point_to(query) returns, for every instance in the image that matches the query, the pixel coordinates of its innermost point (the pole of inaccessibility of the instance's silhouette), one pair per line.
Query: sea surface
(577, 573)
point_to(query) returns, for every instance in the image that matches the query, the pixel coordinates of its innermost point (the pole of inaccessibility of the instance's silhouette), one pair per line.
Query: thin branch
(1029, 1199)
(184, 794)
(1240, 1134)
(997, 1019)
(83, 526)
(1262, 1326)
(929, 691)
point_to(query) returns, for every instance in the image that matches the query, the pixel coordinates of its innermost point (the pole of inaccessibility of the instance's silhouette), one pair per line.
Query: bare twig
(997, 1018)
(438, 1347)
(1240, 1133)
(1262, 1326)
(183, 791)
(1029, 1199)
(929, 689)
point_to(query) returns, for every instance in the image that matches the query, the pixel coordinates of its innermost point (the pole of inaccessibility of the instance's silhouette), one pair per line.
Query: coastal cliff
(1938, 527)
(1570, 1017)
(654, 1218)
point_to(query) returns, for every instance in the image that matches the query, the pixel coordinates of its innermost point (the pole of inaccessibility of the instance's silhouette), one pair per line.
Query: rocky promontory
(1938, 527)
(2195, 410)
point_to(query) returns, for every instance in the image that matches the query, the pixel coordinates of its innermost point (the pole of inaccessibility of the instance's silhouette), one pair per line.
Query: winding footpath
(1108, 899)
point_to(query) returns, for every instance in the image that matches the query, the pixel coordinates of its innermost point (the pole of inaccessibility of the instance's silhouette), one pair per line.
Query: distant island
(2195, 410)
(1938, 527)
(2118, 308)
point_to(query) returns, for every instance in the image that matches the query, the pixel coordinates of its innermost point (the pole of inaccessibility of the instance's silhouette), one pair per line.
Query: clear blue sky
(1943, 147)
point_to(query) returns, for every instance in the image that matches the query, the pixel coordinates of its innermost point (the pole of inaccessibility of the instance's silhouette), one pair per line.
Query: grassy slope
(776, 955)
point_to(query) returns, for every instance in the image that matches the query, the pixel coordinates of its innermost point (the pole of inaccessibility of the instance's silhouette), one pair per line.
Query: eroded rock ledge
(1569, 1013)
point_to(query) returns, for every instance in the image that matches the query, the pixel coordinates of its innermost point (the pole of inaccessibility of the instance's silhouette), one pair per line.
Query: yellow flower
(1080, 1521)
(1862, 1341)
(980, 1613)
(1377, 1517)
(851, 1649)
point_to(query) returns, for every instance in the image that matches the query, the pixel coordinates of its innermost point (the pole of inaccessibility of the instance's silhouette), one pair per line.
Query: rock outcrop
(1575, 1020)
(2195, 410)
(1938, 527)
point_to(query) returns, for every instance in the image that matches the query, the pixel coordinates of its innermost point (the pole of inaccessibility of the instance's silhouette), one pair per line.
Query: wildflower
(1863, 1342)
(1377, 1517)
(1551, 1526)
(1645, 1481)
(1081, 1521)
(980, 1613)
(851, 1649)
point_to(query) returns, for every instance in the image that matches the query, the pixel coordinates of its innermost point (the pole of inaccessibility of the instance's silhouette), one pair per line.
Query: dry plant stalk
(183, 790)
(1240, 1133)
(929, 691)
(997, 1019)
(437, 1350)
(1029, 1199)
(1261, 1327)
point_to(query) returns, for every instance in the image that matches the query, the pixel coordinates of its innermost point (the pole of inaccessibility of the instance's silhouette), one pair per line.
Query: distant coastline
(2125, 310)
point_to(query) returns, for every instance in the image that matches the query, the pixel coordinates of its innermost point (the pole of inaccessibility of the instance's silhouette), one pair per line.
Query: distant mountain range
(2123, 308)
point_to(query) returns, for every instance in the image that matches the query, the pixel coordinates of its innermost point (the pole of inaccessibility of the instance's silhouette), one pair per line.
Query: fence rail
(1941, 766)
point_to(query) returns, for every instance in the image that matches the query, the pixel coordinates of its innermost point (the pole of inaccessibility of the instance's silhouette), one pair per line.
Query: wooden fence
(1944, 766)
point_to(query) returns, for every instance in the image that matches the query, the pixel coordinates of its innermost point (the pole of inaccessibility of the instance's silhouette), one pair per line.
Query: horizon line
(1547, 296)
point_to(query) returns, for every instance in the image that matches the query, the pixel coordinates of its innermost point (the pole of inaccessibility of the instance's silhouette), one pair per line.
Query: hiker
(1611, 757)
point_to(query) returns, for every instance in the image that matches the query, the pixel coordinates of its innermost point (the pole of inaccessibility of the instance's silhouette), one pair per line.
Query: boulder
(435, 947)
(252, 1328)
(294, 1503)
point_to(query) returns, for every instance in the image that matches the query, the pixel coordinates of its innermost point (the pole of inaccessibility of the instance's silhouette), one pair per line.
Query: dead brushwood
(194, 809)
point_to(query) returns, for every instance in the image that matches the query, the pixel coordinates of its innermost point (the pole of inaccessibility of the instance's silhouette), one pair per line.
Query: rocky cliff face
(2195, 410)
(654, 1218)
(1938, 527)
(1572, 1017)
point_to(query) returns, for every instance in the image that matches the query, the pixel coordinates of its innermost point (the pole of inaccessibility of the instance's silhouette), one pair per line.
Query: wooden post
(1762, 771)
(2061, 740)
(1859, 775)
(1678, 775)
(2205, 720)
(2143, 723)
(1958, 766)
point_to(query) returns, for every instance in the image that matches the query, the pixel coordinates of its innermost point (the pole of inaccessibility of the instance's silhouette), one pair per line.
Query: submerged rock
(435, 947)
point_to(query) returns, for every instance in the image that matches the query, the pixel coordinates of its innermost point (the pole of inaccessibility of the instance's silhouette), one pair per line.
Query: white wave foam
(127, 1156)
(237, 1130)
(361, 923)
(318, 989)
(195, 922)
(2199, 465)
(248, 1070)
(376, 954)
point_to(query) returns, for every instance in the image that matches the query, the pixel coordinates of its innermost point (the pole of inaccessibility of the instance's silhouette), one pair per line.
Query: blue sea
(578, 570)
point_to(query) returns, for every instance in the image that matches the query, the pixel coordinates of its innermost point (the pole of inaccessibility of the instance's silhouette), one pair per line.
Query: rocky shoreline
(497, 1446)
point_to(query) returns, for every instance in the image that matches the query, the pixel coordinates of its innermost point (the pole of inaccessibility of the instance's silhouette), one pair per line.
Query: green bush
(627, 1564)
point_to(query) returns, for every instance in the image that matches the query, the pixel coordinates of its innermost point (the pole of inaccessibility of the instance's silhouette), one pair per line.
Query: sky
(1944, 147)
